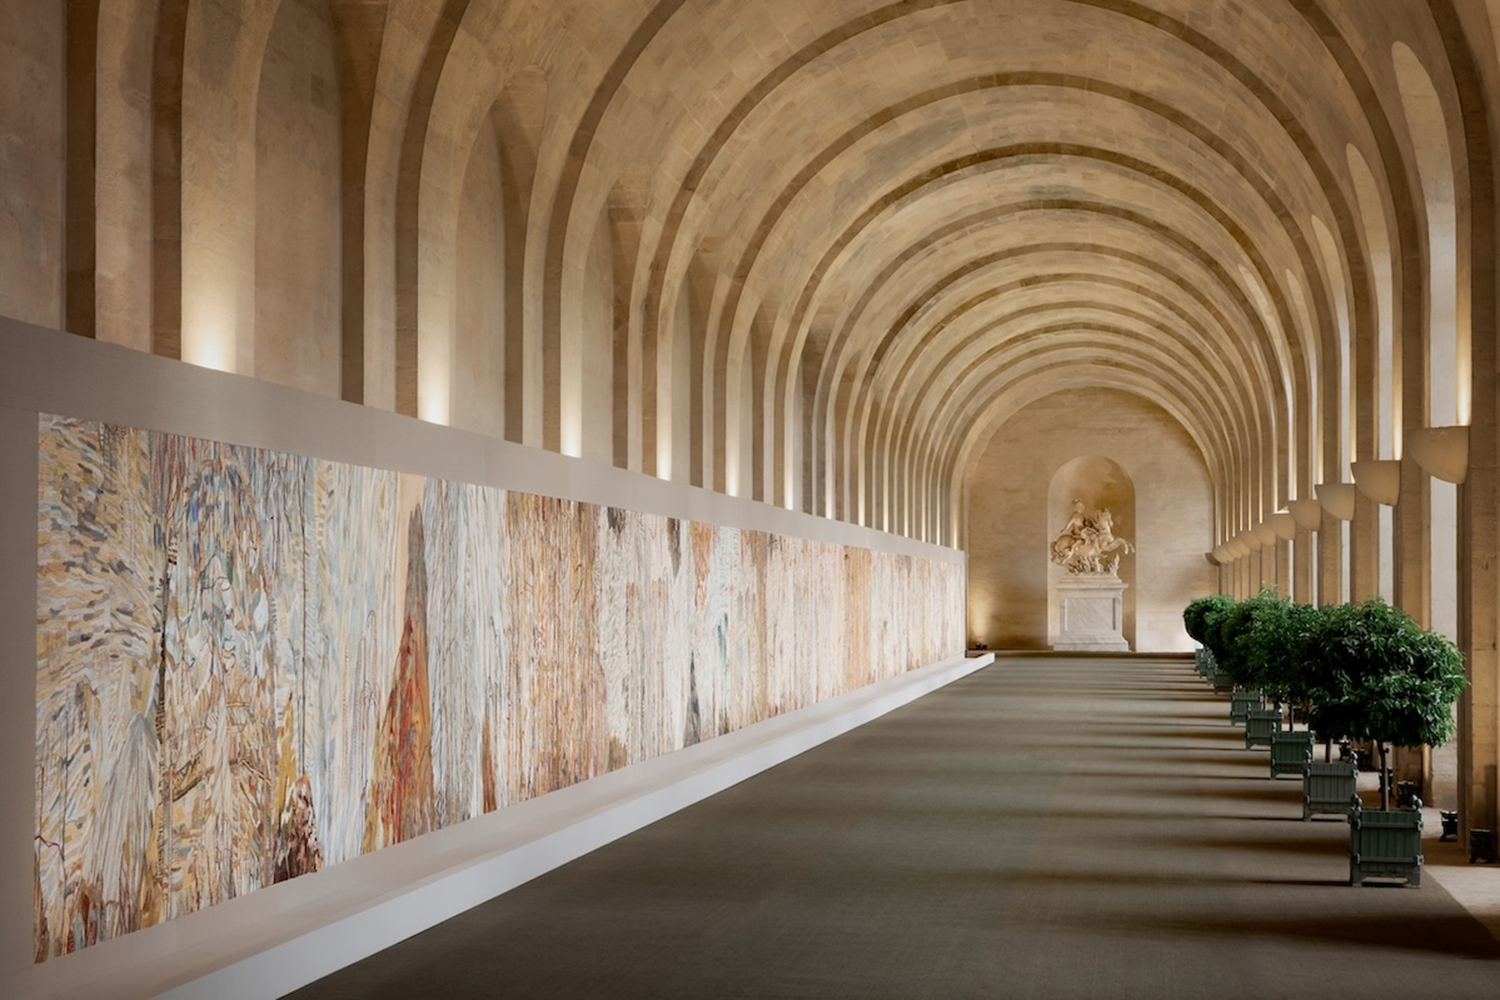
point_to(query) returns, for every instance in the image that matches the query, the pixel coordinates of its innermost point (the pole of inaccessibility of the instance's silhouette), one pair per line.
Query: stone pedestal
(1091, 614)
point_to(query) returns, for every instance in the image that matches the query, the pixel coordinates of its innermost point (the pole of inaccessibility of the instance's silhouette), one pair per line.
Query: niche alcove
(1099, 484)
(1109, 448)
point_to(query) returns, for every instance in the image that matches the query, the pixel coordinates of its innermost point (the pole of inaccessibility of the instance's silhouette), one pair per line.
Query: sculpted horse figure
(1107, 545)
(1088, 544)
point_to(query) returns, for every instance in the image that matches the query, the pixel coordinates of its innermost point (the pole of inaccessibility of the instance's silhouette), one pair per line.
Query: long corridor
(1046, 827)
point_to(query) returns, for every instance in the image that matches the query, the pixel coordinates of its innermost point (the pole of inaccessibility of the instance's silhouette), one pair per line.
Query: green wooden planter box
(1328, 787)
(1209, 668)
(1386, 843)
(1291, 751)
(1260, 723)
(1243, 701)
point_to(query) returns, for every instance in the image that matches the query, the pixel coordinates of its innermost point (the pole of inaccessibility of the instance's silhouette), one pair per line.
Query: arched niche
(1012, 513)
(1099, 483)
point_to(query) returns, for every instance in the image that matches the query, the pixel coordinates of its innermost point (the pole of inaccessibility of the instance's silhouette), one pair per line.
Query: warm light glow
(1465, 397)
(432, 386)
(789, 477)
(570, 379)
(570, 427)
(435, 362)
(664, 454)
(212, 348)
(208, 320)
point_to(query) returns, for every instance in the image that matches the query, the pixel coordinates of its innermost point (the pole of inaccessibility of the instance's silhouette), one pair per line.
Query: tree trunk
(1385, 779)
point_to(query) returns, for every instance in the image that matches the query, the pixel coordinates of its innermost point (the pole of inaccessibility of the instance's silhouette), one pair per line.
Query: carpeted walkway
(1044, 828)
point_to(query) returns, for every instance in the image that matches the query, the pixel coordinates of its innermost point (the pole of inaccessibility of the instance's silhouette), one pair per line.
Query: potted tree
(1402, 681)
(1198, 617)
(1235, 647)
(1325, 690)
(1226, 630)
(1275, 654)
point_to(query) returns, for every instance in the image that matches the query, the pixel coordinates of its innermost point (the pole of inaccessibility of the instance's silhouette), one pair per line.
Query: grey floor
(1044, 828)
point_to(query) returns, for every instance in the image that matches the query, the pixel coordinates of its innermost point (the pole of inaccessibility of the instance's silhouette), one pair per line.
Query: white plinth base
(1091, 614)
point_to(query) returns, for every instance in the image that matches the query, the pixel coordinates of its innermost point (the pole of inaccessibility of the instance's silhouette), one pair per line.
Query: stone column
(1303, 547)
(1330, 559)
(1413, 544)
(1411, 569)
(1479, 603)
(1364, 561)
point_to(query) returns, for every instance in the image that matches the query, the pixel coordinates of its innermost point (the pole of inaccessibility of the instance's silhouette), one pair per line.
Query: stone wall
(1011, 519)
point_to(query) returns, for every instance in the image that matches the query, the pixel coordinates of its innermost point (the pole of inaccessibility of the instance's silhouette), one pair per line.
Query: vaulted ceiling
(815, 253)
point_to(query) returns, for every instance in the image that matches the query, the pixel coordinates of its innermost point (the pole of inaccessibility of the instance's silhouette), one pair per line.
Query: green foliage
(1232, 638)
(1332, 708)
(1366, 671)
(1195, 617)
(1216, 617)
(1276, 647)
(1377, 675)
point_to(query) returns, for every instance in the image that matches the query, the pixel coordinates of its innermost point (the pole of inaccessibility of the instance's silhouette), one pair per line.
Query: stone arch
(1427, 125)
(298, 248)
(423, 344)
(598, 360)
(109, 187)
(585, 362)
(222, 52)
(482, 261)
(626, 210)
(1471, 61)
(519, 117)
(673, 388)
(166, 177)
(1386, 363)
(1444, 334)
(741, 391)
(79, 298)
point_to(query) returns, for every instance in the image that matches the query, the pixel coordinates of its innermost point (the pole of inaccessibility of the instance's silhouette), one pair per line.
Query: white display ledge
(285, 936)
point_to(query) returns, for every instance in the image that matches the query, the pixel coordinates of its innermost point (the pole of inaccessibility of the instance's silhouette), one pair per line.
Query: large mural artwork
(251, 665)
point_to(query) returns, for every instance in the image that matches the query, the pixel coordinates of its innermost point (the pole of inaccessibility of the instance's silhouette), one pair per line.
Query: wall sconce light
(1337, 499)
(1442, 452)
(1307, 513)
(1380, 480)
